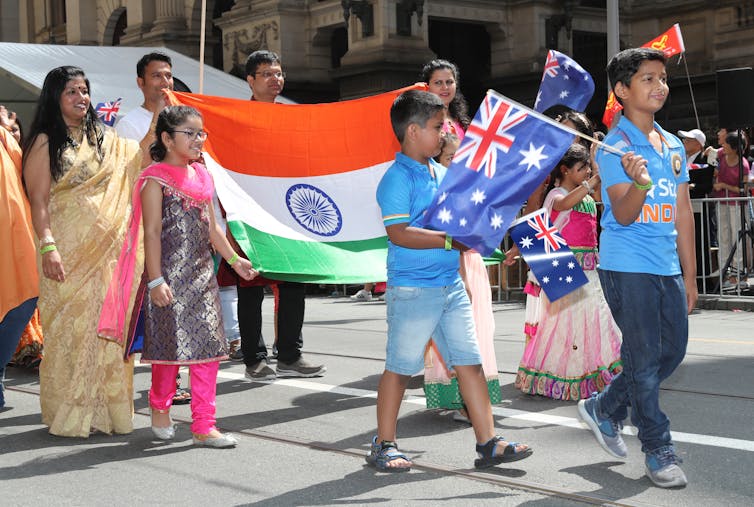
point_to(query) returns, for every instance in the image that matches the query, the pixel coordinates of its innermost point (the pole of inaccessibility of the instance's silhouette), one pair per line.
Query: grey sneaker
(362, 295)
(662, 468)
(300, 368)
(606, 431)
(260, 371)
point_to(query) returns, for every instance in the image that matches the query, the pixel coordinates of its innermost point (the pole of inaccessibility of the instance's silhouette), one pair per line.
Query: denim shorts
(416, 314)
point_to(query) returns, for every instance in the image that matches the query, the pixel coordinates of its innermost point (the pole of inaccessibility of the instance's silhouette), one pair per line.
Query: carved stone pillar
(169, 15)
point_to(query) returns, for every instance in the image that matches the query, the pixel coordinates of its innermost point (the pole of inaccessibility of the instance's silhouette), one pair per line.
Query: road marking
(537, 417)
(713, 340)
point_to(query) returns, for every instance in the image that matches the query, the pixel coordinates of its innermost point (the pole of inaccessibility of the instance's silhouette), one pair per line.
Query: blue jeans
(651, 312)
(11, 328)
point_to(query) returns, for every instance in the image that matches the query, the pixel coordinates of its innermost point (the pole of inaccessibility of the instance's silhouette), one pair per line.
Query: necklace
(76, 134)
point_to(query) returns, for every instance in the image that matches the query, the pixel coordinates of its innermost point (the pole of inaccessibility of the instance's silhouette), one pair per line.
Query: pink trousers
(203, 385)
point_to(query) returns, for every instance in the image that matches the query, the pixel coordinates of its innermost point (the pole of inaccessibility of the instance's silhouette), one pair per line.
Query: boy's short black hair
(257, 58)
(141, 65)
(622, 67)
(413, 106)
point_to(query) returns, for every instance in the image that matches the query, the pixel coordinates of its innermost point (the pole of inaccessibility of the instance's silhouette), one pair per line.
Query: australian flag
(108, 111)
(564, 82)
(547, 255)
(507, 151)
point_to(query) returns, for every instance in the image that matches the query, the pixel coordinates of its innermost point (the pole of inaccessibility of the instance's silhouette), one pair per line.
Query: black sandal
(488, 457)
(181, 397)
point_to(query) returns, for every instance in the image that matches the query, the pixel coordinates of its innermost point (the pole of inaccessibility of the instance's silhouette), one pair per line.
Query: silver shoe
(166, 433)
(224, 441)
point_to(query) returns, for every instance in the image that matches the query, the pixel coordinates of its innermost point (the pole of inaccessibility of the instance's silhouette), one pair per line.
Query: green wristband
(646, 186)
(448, 241)
(47, 248)
(233, 259)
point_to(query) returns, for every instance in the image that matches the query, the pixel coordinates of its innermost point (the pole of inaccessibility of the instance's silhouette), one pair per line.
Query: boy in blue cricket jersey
(647, 263)
(425, 295)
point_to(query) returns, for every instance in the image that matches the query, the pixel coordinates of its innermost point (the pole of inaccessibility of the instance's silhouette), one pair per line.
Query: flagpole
(201, 46)
(691, 90)
(561, 126)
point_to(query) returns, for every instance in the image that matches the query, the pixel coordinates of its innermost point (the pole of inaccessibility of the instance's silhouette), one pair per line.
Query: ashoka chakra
(313, 210)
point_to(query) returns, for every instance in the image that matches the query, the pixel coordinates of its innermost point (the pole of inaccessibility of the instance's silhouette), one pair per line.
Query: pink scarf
(195, 191)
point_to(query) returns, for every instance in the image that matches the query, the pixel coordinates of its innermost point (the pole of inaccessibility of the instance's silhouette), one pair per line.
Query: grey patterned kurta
(190, 329)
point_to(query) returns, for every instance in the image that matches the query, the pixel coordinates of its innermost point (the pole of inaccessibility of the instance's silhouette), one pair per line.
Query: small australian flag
(108, 111)
(547, 254)
(564, 82)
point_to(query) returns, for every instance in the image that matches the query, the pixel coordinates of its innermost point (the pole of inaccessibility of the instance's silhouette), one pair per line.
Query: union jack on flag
(489, 135)
(556, 268)
(506, 152)
(551, 65)
(546, 232)
(108, 111)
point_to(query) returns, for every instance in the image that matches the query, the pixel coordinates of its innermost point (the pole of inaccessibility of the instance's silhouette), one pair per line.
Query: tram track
(549, 491)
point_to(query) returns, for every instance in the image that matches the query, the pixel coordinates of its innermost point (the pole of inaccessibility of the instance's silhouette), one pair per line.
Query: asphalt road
(302, 441)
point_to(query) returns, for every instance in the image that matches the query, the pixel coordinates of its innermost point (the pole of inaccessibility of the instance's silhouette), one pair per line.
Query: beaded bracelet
(47, 248)
(47, 240)
(233, 259)
(155, 283)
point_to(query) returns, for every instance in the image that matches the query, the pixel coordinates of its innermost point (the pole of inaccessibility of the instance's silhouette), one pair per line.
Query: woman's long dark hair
(458, 109)
(48, 119)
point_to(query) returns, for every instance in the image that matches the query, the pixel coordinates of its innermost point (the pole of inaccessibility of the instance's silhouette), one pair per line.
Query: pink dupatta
(195, 191)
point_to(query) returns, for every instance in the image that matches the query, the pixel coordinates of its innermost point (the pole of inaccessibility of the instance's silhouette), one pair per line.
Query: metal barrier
(507, 281)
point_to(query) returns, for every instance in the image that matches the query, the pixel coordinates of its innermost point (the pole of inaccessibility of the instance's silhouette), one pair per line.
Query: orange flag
(670, 43)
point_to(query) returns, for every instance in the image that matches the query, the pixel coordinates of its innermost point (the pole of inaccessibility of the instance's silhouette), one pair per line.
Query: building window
(57, 12)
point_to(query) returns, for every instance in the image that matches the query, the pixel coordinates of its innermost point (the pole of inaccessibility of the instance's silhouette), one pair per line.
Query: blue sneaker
(663, 470)
(606, 431)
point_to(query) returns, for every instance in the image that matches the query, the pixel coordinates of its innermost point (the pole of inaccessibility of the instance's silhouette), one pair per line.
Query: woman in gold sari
(78, 176)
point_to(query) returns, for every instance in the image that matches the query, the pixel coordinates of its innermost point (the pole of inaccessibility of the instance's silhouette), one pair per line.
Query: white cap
(694, 134)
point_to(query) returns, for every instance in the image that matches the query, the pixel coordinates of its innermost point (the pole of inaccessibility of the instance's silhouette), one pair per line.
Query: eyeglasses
(201, 135)
(267, 74)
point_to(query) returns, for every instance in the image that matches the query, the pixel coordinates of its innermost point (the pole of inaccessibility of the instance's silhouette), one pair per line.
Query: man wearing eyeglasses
(266, 78)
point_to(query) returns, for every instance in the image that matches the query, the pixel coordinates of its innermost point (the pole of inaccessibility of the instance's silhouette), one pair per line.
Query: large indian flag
(298, 183)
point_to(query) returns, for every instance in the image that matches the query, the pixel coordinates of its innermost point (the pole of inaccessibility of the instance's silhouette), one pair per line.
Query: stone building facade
(337, 49)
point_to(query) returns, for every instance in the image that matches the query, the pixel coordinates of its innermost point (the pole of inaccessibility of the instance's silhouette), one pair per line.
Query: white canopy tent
(111, 71)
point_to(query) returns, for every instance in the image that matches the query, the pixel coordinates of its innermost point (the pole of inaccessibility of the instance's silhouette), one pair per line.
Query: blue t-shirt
(404, 194)
(649, 244)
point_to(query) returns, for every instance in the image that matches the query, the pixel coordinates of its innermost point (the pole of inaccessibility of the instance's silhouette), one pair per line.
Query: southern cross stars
(444, 216)
(496, 222)
(532, 157)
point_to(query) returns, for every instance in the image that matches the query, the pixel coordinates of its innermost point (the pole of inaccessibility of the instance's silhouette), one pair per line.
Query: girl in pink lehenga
(575, 348)
(440, 384)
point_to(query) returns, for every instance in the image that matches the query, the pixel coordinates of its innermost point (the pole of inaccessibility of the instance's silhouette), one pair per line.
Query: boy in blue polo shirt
(647, 263)
(425, 295)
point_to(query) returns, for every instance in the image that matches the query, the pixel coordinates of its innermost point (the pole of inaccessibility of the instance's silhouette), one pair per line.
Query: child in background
(576, 348)
(425, 295)
(183, 317)
(441, 385)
